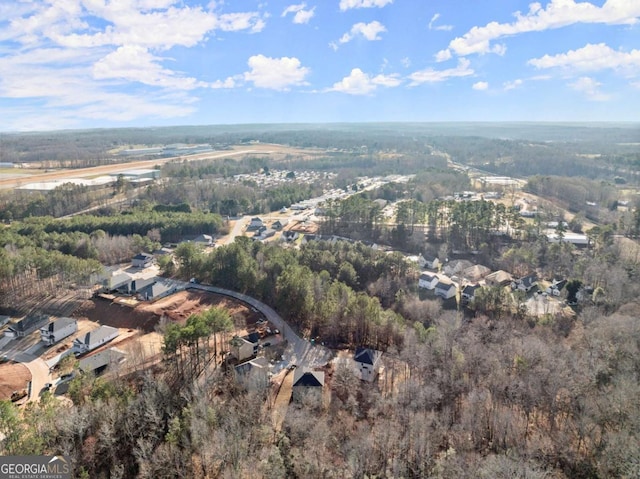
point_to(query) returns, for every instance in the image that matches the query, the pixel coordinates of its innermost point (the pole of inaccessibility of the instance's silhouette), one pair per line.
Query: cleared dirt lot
(15, 377)
(137, 324)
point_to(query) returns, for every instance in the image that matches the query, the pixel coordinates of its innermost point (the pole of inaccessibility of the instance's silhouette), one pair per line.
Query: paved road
(27, 352)
(237, 230)
(299, 352)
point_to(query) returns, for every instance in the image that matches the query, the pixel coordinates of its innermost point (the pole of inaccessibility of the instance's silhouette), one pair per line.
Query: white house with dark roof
(431, 262)
(445, 290)
(427, 281)
(142, 260)
(94, 339)
(367, 363)
(469, 292)
(244, 347)
(307, 382)
(57, 330)
(526, 283)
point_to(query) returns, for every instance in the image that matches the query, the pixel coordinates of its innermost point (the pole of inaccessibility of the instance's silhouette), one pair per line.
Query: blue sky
(109, 63)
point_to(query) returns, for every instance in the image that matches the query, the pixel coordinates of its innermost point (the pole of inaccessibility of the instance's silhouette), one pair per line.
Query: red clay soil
(118, 316)
(145, 316)
(13, 377)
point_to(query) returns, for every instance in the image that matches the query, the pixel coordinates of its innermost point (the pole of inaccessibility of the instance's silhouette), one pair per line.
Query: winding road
(299, 352)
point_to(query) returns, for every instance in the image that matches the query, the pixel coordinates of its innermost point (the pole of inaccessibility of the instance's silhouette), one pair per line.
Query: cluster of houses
(465, 278)
(253, 373)
(262, 231)
(459, 279)
(139, 280)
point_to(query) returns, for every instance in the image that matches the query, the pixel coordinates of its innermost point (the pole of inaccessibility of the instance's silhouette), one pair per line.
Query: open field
(278, 151)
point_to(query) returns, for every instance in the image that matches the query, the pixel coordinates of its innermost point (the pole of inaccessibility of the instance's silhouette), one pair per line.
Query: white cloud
(590, 88)
(349, 4)
(635, 84)
(430, 75)
(512, 85)
(360, 83)
(300, 14)
(444, 28)
(275, 73)
(135, 63)
(443, 55)
(557, 14)
(127, 23)
(370, 31)
(81, 55)
(480, 86)
(591, 58)
(406, 62)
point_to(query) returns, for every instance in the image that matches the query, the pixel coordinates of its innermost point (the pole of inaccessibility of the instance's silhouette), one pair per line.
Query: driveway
(299, 351)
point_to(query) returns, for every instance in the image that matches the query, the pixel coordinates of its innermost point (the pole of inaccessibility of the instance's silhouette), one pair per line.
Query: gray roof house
(94, 339)
(58, 330)
(26, 325)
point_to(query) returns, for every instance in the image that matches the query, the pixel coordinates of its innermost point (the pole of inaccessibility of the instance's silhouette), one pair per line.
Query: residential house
(431, 262)
(266, 233)
(57, 330)
(255, 223)
(204, 240)
(102, 360)
(26, 326)
(307, 383)
(118, 281)
(244, 347)
(469, 292)
(94, 339)
(156, 290)
(279, 224)
(253, 374)
(498, 278)
(456, 267)
(367, 363)
(428, 281)
(289, 236)
(525, 284)
(475, 273)
(138, 284)
(142, 260)
(445, 290)
(417, 259)
(556, 287)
